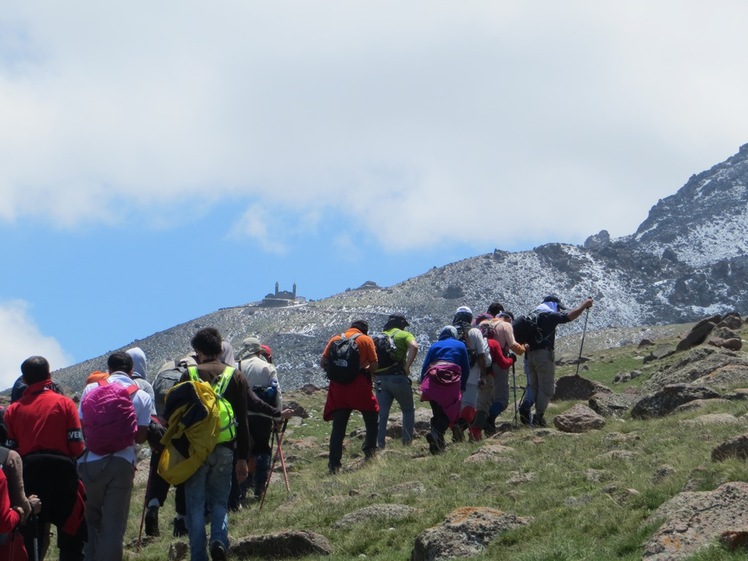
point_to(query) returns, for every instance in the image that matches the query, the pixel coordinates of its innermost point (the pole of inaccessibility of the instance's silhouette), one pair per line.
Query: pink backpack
(109, 421)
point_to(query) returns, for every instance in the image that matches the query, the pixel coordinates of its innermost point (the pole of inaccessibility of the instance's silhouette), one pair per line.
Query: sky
(162, 160)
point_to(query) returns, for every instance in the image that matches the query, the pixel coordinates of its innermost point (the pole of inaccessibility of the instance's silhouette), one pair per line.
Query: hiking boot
(525, 417)
(151, 521)
(539, 421)
(458, 433)
(433, 441)
(180, 527)
(334, 470)
(217, 552)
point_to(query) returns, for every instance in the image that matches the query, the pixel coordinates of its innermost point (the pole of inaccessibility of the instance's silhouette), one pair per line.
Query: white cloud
(20, 338)
(578, 114)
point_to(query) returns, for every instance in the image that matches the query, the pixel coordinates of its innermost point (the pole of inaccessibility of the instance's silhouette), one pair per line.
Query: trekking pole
(514, 385)
(282, 457)
(270, 473)
(36, 544)
(584, 332)
(145, 505)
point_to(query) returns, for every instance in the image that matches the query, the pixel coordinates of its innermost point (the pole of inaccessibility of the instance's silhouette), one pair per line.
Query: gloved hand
(156, 432)
(512, 357)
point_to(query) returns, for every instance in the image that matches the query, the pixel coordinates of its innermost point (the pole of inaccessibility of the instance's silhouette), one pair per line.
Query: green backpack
(228, 422)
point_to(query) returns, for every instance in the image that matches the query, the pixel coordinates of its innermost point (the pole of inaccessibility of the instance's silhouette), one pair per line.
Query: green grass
(587, 500)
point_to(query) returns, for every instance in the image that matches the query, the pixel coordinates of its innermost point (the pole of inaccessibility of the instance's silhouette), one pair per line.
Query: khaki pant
(541, 377)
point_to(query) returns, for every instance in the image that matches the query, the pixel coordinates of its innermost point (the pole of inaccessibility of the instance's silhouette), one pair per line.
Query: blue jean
(395, 387)
(209, 487)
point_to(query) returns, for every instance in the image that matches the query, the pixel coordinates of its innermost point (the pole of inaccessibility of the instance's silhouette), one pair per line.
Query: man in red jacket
(44, 428)
(342, 399)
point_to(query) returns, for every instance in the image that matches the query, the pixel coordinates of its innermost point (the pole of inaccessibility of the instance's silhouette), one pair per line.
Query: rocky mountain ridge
(687, 260)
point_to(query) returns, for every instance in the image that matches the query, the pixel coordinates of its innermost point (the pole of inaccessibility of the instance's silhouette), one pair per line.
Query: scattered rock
(698, 404)
(694, 520)
(666, 400)
(662, 473)
(178, 551)
(658, 353)
(731, 344)
(735, 540)
(408, 488)
(612, 404)
(489, 453)
(698, 333)
(298, 410)
(575, 387)
(579, 418)
(731, 321)
(309, 389)
(646, 343)
(734, 448)
(283, 545)
(465, 532)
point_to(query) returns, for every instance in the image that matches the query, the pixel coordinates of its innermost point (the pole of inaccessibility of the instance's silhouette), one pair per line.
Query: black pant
(54, 479)
(439, 419)
(158, 487)
(340, 423)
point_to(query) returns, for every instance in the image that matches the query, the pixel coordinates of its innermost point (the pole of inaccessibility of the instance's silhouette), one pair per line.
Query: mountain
(688, 259)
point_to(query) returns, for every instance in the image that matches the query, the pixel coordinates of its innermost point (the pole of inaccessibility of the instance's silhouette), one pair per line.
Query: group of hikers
(464, 375)
(73, 466)
(211, 420)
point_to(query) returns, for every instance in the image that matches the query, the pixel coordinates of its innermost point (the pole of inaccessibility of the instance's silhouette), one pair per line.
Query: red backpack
(109, 421)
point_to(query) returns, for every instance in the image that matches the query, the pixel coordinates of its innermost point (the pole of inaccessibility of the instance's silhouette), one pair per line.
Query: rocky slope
(687, 260)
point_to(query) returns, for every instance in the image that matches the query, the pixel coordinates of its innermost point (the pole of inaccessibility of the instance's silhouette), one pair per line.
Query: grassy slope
(587, 504)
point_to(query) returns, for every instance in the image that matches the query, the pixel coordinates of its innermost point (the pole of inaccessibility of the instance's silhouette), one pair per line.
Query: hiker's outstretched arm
(576, 312)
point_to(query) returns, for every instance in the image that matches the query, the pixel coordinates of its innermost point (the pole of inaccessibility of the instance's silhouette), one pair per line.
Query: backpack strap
(192, 371)
(131, 389)
(222, 382)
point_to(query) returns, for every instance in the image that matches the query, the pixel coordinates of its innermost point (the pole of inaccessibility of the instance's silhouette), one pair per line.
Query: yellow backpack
(193, 427)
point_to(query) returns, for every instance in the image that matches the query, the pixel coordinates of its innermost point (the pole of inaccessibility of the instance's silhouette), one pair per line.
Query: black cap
(556, 299)
(398, 319)
(362, 325)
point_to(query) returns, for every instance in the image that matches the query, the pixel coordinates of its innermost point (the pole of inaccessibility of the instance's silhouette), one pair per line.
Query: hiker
(158, 488)
(393, 381)
(480, 361)
(504, 336)
(11, 517)
(496, 399)
(444, 376)
(107, 468)
(207, 490)
(541, 358)
(11, 465)
(44, 428)
(262, 379)
(140, 374)
(356, 395)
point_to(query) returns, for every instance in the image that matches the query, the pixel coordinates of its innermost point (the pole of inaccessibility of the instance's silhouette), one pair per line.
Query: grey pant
(542, 377)
(108, 484)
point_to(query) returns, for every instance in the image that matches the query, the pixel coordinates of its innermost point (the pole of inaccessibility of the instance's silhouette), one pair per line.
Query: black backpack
(526, 330)
(166, 379)
(343, 363)
(386, 353)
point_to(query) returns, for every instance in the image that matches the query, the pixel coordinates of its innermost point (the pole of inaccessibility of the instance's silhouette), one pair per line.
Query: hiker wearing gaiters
(541, 359)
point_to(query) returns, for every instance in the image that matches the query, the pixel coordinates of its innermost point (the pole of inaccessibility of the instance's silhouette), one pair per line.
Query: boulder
(731, 321)
(612, 404)
(579, 418)
(283, 545)
(694, 520)
(698, 333)
(731, 344)
(658, 353)
(465, 532)
(573, 388)
(668, 398)
(734, 448)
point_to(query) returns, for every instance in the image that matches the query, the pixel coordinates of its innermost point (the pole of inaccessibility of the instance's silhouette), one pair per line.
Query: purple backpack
(109, 421)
